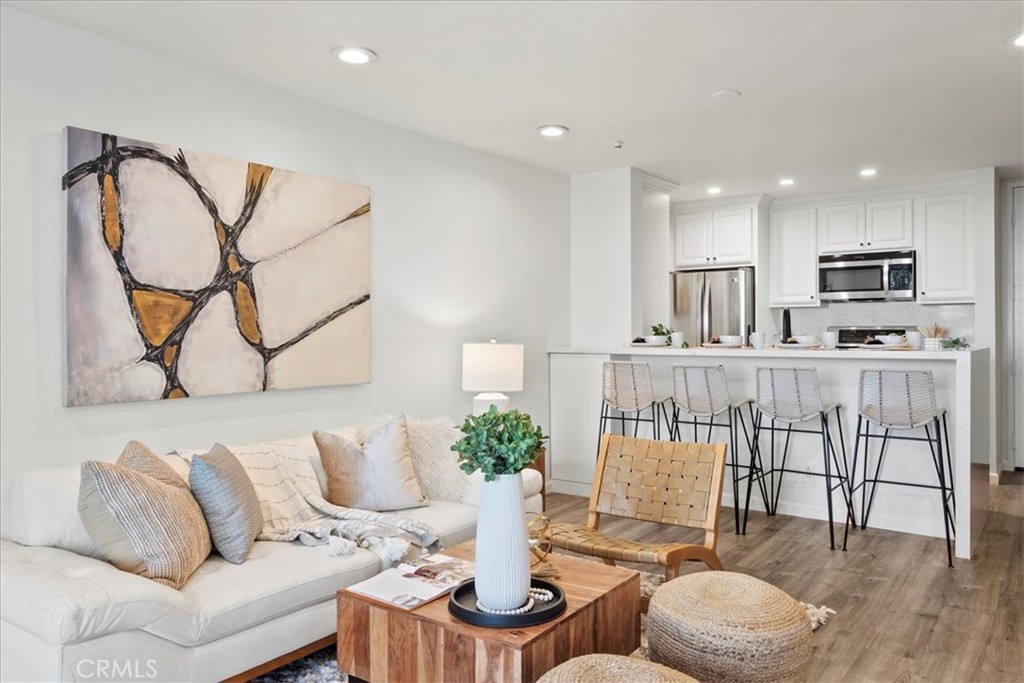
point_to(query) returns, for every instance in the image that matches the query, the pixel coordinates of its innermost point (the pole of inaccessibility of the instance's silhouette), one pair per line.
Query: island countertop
(773, 352)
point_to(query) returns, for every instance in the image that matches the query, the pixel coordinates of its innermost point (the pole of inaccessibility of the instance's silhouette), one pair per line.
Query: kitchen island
(961, 387)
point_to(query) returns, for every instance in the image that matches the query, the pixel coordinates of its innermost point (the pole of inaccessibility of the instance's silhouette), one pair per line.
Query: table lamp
(491, 369)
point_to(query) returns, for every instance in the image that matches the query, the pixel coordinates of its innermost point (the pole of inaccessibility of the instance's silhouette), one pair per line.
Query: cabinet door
(732, 237)
(841, 228)
(944, 239)
(693, 240)
(890, 225)
(794, 258)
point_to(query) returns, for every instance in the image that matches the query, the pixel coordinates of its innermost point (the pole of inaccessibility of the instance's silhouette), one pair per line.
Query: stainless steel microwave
(877, 276)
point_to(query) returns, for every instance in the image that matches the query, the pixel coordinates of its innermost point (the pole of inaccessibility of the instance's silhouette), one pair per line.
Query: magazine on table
(416, 582)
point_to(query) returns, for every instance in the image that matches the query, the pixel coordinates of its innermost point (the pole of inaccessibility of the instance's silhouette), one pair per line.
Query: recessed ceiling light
(552, 130)
(786, 181)
(714, 190)
(725, 94)
(351, 54)
(868, 172)
(1018, 40)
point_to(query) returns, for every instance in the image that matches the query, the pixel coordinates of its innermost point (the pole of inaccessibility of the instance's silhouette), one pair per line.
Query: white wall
(651, 260)
(466, 245)
(601, 216)
(986, 199)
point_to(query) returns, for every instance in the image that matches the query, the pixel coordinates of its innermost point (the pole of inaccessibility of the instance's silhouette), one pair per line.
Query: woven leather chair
(668, 482)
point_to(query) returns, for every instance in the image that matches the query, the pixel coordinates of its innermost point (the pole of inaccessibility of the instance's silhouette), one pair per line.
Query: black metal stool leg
(949, 461)
(942, 489)
(735, 468)
(828, 480)
(874, 480)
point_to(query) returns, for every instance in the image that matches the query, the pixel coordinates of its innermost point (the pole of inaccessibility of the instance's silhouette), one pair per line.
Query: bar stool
(792, 396)
(902, 399)
(702, 394)
(626, 388)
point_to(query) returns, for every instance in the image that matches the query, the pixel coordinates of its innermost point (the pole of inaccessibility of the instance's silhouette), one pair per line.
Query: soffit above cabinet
(758, 200)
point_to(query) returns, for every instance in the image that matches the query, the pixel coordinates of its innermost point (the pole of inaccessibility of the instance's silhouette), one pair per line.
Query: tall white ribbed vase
(502, 544)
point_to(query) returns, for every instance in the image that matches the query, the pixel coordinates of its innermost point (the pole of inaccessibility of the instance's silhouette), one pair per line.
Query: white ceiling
(916, 89)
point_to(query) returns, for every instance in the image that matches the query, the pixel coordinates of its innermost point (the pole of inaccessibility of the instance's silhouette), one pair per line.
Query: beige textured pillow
(142, 516)
(377, 476)
(229, 502)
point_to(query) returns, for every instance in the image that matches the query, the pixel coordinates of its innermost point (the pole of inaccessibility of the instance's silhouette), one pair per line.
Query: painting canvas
(190, 274)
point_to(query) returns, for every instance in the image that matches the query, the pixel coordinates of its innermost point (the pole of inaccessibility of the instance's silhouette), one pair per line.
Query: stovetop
(850, 337)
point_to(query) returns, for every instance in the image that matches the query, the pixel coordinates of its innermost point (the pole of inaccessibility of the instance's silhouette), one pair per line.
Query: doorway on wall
(1016, 395)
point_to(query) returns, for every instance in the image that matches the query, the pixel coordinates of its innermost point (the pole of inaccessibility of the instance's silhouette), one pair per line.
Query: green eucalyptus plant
(498, 443)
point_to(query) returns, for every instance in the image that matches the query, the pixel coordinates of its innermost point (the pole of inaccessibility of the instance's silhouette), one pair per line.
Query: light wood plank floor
(903, 615)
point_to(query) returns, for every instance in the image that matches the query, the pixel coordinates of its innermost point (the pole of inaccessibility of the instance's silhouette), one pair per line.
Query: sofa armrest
(533, 483)
(64, 597)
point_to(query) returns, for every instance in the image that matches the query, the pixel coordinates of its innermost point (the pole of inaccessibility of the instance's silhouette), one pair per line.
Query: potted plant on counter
(501, 445)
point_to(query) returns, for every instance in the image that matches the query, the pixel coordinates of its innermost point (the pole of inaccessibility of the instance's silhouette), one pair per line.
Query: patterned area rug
(322, 666)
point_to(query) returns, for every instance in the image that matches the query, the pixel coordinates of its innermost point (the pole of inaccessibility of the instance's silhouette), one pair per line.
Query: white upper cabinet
(720, 237)
(944, 240)
(732, 237)
(692, 237)
(870, 226)
(889, 225)
(794, 258)
(841, 228)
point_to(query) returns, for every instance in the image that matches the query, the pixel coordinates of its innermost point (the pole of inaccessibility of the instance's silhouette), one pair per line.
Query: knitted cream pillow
(375, 476)
(229, 502)
(142, 516)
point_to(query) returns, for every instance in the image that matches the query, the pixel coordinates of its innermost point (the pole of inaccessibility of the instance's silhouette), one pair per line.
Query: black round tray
(462, 605)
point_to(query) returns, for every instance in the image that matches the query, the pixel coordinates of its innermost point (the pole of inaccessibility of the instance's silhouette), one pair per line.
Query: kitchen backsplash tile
(957, 318)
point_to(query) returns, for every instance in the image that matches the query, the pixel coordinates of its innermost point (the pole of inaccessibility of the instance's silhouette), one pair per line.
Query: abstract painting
(190, 274)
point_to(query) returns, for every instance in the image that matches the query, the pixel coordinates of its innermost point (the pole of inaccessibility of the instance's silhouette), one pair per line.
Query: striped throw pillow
(142, 516)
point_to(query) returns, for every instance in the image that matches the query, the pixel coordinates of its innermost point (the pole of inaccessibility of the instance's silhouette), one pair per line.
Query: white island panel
(961, 383)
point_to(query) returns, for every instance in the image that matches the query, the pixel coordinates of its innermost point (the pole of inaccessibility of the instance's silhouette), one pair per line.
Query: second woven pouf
(613, 669)
(722, 626)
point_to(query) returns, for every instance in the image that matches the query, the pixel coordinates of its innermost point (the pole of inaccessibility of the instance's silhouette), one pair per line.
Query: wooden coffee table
(378, 642)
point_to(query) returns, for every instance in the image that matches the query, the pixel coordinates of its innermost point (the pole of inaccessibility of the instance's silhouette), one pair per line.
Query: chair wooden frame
(668, 482)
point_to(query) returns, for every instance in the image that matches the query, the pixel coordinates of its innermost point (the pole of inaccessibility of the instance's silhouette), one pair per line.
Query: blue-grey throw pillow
(229, 502)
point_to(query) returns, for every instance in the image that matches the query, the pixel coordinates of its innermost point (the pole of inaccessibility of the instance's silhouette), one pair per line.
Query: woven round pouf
(612, 669)
(721, 626)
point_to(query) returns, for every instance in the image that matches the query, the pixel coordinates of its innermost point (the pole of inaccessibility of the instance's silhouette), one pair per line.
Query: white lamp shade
(492, 367)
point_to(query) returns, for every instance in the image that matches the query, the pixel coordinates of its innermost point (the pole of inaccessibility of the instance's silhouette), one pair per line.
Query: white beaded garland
(536, 594)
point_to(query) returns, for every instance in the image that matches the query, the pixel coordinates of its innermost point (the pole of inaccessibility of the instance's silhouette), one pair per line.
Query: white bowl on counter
(807, 339)
(656, 339)
(892, 339)
(730, 338)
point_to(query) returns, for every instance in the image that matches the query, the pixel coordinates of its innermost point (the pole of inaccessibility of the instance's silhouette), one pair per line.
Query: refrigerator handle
(705, 309)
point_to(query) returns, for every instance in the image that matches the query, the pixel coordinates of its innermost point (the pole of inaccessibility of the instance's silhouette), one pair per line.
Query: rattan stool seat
(613, 669)
(723, 626)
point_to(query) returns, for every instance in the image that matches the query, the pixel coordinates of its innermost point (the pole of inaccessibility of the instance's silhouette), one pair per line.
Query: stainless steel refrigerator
(709, 303)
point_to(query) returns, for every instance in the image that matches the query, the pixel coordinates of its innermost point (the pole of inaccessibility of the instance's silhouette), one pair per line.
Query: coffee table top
(584, 583)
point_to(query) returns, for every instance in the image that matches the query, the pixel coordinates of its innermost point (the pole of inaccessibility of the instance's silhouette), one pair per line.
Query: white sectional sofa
(66, 616)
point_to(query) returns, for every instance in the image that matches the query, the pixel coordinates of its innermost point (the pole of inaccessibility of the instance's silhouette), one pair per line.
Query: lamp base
(483, 402)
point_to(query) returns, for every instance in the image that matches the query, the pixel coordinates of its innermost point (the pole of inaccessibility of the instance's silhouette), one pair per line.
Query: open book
(414, 583)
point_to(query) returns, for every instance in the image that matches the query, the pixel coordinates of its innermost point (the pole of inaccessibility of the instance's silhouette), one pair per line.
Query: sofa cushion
(142, 516)
(62, 597)
(229, 502)
(453, 523)
(277, 579)
(376, 475)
